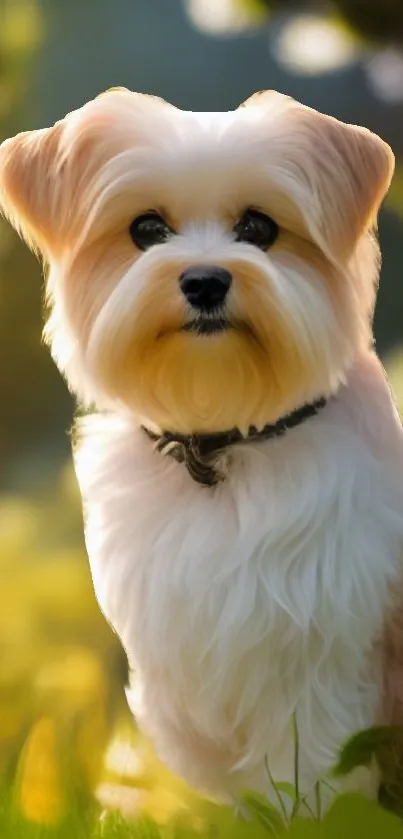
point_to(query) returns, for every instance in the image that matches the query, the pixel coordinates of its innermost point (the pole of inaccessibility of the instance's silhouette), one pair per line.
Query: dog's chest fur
(246, 604)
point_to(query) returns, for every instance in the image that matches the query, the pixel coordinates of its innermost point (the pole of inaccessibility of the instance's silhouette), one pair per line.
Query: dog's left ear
(338, 173)
(350, 169)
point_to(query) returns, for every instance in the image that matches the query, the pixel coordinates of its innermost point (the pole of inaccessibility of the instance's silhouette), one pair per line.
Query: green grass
(350, 818)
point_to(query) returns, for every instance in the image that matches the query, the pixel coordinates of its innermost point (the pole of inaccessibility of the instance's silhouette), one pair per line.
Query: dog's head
(206, 271)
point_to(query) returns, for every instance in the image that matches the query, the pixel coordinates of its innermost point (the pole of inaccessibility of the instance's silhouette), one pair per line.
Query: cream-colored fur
(262, 598)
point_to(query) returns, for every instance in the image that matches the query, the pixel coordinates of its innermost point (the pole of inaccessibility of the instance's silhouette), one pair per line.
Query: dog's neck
(198, 452)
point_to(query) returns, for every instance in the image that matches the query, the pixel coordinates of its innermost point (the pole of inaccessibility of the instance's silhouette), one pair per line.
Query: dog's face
(206, 271)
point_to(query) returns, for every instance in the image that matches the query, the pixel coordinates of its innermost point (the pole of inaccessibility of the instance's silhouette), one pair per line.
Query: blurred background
(65, 734)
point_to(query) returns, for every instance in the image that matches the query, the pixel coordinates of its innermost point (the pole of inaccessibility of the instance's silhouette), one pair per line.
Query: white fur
(243, 605)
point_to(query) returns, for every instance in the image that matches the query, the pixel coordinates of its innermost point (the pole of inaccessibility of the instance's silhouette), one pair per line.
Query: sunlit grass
(66, 737)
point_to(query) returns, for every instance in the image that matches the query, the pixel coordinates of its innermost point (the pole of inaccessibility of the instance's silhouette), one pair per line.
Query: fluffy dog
(211, 286)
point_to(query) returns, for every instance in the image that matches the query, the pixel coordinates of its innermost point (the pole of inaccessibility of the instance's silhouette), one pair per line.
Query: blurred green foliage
(34, 401)
(379, 22)
(375, 21)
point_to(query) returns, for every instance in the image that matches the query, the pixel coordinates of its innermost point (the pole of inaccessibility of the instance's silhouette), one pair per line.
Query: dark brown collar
(198, 451)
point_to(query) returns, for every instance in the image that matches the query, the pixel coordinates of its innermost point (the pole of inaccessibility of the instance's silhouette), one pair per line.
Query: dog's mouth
(204, 325)
(210, 325)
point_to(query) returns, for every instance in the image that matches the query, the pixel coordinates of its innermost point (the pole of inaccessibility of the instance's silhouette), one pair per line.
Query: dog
(211, 285)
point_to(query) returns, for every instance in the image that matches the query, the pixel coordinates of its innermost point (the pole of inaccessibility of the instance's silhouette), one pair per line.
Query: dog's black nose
(205, 286)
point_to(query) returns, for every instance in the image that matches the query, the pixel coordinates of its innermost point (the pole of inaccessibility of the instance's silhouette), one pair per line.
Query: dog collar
(197, 451)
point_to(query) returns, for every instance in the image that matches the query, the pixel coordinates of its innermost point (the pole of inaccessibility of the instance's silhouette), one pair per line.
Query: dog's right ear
(31, 186)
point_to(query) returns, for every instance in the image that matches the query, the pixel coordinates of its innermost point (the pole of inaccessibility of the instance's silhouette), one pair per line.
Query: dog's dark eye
(149, 229)
(257, 229)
